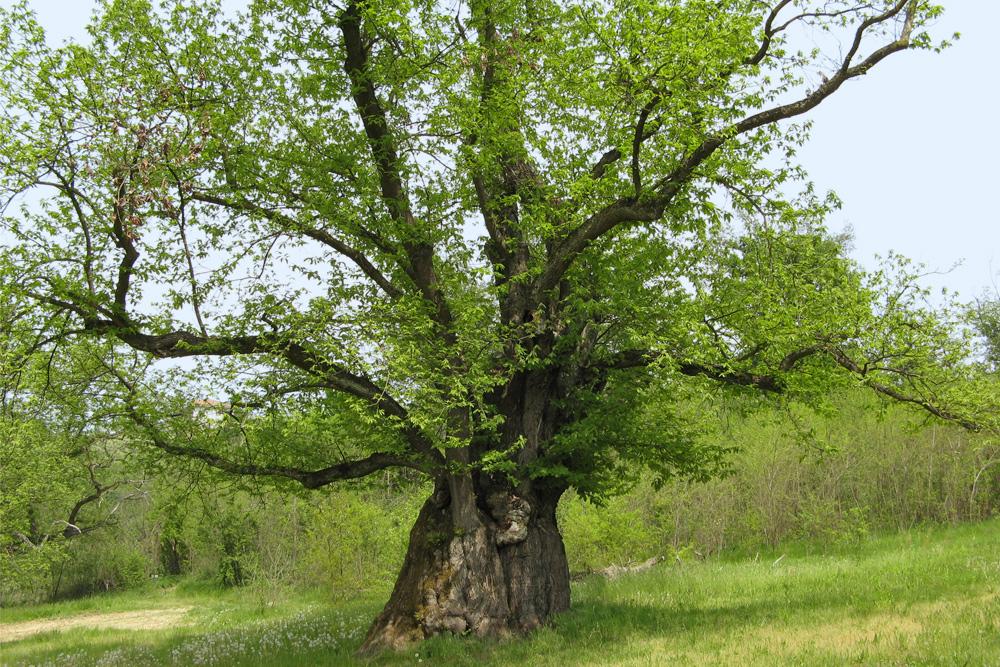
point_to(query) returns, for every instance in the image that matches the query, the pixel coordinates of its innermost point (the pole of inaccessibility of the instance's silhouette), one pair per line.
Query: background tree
(985, 317)
(64, 470)
(497, 244)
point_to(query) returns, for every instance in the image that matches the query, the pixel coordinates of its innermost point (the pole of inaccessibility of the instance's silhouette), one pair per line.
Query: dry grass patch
(841, 638)
(142, 619)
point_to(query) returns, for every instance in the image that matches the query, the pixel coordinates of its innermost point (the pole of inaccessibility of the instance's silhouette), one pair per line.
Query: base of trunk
(507, 575)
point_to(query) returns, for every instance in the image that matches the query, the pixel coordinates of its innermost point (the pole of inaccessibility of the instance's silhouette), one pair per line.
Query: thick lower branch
(178, 344)
(310, 479)
(718, 372)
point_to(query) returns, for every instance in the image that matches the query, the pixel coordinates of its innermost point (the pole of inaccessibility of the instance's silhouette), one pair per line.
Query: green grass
(924, 597)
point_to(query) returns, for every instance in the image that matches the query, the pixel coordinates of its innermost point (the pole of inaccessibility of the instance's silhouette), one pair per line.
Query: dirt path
(143, 619)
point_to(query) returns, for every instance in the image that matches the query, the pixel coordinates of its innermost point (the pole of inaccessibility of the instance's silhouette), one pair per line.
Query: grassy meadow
(924, 596)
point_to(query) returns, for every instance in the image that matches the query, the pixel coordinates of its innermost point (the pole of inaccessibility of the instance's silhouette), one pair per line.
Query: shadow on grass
(718, 606)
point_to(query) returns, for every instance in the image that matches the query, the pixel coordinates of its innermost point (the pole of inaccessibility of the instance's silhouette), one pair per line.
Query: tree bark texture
(506, 573)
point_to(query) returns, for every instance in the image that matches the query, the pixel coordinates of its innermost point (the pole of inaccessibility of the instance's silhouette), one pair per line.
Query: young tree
(64, 470)
(488, 236)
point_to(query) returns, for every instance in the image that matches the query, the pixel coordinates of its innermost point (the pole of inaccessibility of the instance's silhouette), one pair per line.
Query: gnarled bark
(506, 574)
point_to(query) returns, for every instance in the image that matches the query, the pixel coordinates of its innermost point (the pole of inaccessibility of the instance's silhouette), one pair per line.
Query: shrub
(100, 566)
(824, 478)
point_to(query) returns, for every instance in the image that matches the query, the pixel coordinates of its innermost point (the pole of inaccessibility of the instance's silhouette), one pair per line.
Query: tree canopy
(505, 244)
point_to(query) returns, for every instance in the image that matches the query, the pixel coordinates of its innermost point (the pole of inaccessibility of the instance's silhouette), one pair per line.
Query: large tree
(499, 243)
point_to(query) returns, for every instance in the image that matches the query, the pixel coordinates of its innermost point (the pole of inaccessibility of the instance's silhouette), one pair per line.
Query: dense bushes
(100, 566)
(346, 541)
(797, 475)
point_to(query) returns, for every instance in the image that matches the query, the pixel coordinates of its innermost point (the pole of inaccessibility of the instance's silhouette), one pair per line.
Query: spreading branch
(181, 344)
(310, 479)
(629, 210)
(772, 383)
(322, 236)
(73, 526)
(842, 358)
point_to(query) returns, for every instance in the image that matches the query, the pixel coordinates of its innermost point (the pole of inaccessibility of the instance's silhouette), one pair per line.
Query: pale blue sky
(913, 149)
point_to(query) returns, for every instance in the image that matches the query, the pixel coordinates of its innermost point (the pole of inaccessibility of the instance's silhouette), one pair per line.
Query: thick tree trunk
(504, 573)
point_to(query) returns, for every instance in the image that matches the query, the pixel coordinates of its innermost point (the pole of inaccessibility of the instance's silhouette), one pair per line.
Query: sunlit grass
(923, 597)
